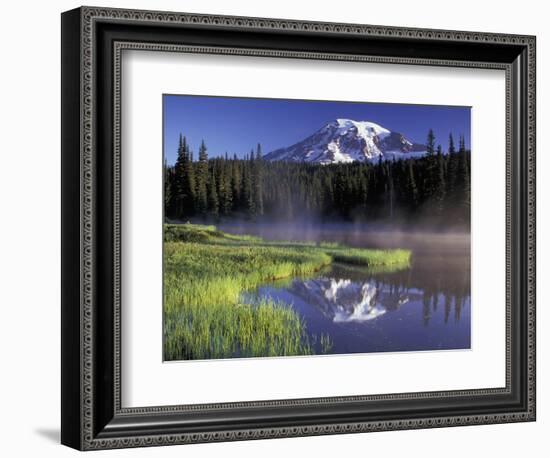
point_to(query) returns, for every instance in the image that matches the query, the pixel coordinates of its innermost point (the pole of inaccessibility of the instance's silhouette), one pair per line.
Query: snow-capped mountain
(346, 140)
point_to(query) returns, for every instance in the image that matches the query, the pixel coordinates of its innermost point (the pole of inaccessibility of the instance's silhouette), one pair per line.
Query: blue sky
(236, 125)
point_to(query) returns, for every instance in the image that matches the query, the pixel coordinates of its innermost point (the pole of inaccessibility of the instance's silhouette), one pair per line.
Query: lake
(424, 307)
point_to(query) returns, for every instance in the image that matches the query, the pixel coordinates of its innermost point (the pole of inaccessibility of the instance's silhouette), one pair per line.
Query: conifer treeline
(434, 188)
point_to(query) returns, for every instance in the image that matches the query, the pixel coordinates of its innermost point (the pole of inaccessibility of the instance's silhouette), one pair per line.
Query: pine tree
(412, 189)
(430, 144)
(451, 144)
(248, 185)
(464, 182)
(390, 188)
(440, 184)
(202, 181)
(178, 184)
(258, 187)
(430, 178)
(236, 180)
(168, 184)
(225, 191)
(328, 196)
(452, 170)
(188, 183)
(213, 203)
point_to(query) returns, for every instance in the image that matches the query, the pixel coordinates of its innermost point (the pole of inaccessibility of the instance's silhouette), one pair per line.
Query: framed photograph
(276, 228)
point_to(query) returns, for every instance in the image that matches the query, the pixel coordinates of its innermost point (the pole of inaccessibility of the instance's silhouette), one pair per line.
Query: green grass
(369, 258)
(205, 273)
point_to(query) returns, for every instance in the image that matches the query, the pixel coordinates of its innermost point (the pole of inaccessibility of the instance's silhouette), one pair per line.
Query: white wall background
(30, 240)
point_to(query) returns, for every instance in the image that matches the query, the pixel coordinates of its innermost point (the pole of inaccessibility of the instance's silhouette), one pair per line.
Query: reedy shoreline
(205, 273)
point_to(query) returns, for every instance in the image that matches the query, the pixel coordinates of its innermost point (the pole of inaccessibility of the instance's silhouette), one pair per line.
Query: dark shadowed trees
(434, 188)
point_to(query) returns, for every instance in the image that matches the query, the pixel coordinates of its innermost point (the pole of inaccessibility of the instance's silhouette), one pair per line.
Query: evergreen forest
(433, 189)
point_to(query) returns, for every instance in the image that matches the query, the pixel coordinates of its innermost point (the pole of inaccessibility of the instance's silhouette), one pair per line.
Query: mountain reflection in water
(424, 307)
(345, 300)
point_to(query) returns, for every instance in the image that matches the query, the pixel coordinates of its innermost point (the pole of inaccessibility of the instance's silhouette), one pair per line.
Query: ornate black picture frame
(92, 42)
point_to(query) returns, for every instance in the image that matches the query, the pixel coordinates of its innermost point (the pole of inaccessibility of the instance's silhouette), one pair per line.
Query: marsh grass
(206, 271)
(369, 258)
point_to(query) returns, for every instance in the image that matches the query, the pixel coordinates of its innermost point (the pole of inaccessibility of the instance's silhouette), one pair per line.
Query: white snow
(365, 129)
(338, 156)
(345, 301)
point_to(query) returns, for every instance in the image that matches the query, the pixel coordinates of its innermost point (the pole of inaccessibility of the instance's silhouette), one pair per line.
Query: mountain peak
(348, 140)
(350, 123)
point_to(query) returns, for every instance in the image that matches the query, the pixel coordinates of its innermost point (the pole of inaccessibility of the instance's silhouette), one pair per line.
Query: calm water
(425, 307)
